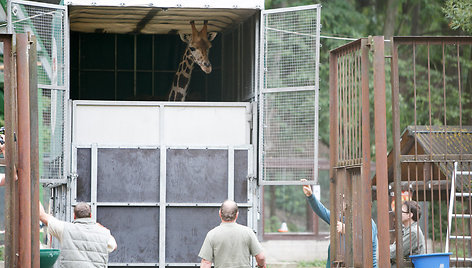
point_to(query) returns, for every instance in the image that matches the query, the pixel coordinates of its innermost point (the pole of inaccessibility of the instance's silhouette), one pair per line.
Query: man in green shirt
(231, 245)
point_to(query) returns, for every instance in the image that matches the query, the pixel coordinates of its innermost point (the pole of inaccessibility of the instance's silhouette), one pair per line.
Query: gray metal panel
(118, 169)
(195, 175)
(187, 228)
(83, 171)
(136, 231)
(240, 176)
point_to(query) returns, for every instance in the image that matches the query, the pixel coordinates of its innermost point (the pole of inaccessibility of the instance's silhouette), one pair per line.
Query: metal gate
(289, 84)
(432, 139)
(350, 154)
(157, 183)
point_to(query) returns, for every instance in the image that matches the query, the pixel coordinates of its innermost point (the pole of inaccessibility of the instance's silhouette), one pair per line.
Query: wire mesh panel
(48, 23)
(289, 94)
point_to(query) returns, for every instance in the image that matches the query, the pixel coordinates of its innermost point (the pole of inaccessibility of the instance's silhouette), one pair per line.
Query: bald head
(229, 210)
(82, 210)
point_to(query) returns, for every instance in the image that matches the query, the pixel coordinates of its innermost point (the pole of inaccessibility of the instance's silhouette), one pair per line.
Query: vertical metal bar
(333, 147)
(231, 173)
(79, 71)
(347, 208)
(10, 154)
(381, 150)
(317, 89)
(425, 209)
(153, 75)
(24, 171)
(135, 52)
(396, 153)
(366, 195)
(115, 65)
(34, 130)
(162, 188)
(93, 179)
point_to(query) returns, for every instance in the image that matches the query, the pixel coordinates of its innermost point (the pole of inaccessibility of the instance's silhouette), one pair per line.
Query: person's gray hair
(229, 210)
(82, 210)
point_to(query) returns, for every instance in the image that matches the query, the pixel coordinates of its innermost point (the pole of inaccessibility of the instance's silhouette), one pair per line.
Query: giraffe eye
(192, 48)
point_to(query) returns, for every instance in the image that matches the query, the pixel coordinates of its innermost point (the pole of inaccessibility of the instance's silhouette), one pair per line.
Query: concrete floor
(287, 253)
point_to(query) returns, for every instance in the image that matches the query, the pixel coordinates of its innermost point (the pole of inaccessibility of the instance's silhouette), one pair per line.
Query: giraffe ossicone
(197, 51)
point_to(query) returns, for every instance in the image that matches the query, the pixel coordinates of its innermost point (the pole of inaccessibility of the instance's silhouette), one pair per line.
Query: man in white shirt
(84, 243)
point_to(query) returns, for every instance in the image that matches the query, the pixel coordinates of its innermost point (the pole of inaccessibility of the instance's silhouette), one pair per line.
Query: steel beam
(24, 161)
(11, 230)
(34, 151)
(396, 154)
(366, 196)
(381, 150)
(333, 148)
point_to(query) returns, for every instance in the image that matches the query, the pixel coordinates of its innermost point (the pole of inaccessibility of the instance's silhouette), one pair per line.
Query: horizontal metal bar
(347, 47)
(203, 205)
(43, 86)
(28, 3)
(127, 204)
(287, 89)
(160, 103)
(465, 237)
(436, 158)
(294, 182)
(289, 9)
(431, 39)
(182, 264)
(463, 172)
(151, 147)
(53, 181)
(131, 264)
(464, 194)
(465, 216)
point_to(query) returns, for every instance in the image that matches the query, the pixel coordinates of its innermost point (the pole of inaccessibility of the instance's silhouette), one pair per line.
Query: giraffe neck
(182, 76)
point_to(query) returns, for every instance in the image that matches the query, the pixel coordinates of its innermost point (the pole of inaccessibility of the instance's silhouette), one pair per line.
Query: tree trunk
(390, 18)
(415, 20)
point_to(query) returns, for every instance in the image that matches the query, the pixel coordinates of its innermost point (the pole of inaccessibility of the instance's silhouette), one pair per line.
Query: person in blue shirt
(324, 214)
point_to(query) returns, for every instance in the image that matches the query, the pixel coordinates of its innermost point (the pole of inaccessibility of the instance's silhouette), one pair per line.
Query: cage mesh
(290, 40)
(288, 108)
(47, 24)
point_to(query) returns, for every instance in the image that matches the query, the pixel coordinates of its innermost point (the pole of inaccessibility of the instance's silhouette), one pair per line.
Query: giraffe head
(199, 43)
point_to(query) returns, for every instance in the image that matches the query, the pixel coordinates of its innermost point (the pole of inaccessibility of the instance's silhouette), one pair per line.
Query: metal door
(50, 26)
(288, 95)
(152, 185)
(350, 155)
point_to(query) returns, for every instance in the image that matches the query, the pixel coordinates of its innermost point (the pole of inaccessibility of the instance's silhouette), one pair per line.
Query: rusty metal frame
(422, 159)
(350, 187)
(21, 152)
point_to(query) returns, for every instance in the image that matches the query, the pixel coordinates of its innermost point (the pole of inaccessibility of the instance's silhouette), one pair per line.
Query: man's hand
(340, 227)
(205, 264)
(307, 189)
(43, 216)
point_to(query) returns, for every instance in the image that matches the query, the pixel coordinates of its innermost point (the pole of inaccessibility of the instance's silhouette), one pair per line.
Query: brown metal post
(396, 154)
(381, 150)
(366, 196)
(24, 168)
(33, 101)
(10, 153)
(333, 148)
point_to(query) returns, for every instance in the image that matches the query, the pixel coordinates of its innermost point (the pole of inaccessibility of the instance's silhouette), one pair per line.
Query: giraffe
(197, 51)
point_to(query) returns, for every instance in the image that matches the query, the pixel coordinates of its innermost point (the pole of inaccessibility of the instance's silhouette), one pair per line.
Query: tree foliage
(459, 12)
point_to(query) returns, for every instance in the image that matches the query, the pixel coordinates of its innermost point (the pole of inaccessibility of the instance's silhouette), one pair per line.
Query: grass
(315, 263)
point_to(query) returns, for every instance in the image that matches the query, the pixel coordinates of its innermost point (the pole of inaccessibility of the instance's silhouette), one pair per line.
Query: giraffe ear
(212, 36)
(187, 38)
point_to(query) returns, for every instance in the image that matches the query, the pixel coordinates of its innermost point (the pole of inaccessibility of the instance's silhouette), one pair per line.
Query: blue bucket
(434, 260)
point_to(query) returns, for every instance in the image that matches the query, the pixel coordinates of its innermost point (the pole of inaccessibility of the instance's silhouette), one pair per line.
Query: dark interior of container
(141, 66)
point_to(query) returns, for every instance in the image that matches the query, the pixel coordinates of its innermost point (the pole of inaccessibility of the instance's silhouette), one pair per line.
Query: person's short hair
(414, 208)
(229, 210)
(82, 210)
